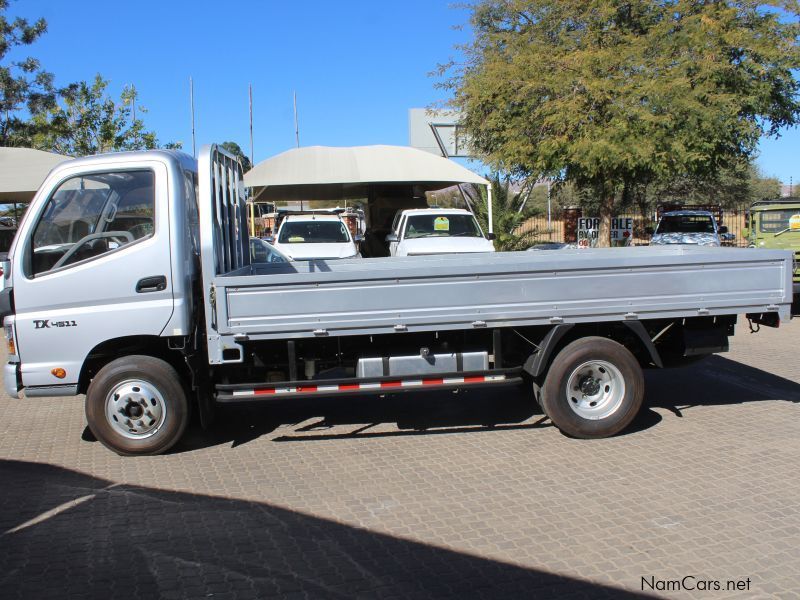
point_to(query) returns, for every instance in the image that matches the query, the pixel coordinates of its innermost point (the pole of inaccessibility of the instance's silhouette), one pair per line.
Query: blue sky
(357, 66)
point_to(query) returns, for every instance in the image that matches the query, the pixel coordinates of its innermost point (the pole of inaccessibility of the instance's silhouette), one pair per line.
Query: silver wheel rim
(135, 409)
(595, 390)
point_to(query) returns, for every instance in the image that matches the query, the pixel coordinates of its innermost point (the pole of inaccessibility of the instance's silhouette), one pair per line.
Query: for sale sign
(589, 231)
(621, 231)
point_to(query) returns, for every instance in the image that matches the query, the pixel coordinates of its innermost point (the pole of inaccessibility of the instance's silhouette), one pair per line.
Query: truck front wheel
(593, 389)
(137, 405)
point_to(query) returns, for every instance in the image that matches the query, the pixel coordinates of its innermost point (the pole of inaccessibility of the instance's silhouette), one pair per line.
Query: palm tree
(509, 212)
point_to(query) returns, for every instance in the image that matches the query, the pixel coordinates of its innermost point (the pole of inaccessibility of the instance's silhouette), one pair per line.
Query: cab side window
(90, 215)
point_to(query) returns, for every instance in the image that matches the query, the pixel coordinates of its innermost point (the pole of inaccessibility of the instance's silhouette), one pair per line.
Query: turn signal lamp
(59, 372)
(12, 348)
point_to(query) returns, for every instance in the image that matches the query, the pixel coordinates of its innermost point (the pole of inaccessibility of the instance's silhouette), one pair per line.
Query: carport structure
(22, 171)
(389, 177)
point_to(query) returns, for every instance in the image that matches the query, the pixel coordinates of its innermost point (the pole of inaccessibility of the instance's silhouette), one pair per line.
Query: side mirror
(745, 232)
(722, 229)
(270, 239)
(491, 236)
(392, 237)
(358, 238)
(649, 230)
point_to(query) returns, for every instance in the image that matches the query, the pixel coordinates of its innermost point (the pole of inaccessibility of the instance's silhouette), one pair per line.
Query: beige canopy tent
(331, 173)
(22, 171)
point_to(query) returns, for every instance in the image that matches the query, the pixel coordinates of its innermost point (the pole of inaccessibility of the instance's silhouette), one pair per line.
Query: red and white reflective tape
(377, 386)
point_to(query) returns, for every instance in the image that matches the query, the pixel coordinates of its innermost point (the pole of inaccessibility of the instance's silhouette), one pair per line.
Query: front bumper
(10, 379)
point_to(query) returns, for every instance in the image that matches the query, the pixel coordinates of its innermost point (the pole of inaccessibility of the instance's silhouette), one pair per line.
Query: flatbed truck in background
(130, 281)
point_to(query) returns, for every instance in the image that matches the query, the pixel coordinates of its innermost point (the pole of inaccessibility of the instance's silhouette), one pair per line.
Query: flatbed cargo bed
(427, 293)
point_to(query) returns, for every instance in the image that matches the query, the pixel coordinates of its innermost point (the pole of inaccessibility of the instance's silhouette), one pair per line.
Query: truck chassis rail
(250, 392)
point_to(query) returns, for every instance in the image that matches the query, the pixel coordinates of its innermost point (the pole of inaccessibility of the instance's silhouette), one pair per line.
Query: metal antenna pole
(191, 102)
(252, 162)
(133, 102)
(296, 126)
(297, 132)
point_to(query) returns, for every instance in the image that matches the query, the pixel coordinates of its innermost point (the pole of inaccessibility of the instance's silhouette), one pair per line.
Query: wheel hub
(590, 386)
(595, 389)
(135, 409)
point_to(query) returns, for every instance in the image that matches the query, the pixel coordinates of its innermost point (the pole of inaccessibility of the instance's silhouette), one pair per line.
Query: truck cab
(107, 252)
(775, 224)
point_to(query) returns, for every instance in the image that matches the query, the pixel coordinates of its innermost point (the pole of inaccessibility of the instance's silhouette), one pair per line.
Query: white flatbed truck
(130, 281)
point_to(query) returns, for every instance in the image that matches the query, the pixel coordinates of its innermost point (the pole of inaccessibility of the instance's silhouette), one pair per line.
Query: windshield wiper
(784, 231)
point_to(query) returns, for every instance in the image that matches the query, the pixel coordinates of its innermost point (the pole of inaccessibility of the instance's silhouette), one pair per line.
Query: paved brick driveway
(422, 496)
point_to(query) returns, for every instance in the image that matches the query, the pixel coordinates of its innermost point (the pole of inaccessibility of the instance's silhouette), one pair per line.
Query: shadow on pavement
(715, 381)
(66, 534)
(419, 413)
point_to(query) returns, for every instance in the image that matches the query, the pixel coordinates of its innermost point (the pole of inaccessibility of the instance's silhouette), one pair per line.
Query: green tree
(237, 151)
(610, 95)
(24, 86)
(739, 184)
(509, 211)
(88, 121)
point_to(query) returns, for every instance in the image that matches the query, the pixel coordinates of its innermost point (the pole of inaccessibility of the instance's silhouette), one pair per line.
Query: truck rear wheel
(137, 405)
(593, 389)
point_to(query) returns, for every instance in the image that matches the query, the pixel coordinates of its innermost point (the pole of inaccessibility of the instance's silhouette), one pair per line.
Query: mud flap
(701, 342)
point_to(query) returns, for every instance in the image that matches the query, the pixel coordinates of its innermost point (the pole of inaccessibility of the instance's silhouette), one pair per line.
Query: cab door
(91, 264)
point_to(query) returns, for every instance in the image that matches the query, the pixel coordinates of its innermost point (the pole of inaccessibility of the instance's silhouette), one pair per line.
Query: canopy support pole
(489, 203)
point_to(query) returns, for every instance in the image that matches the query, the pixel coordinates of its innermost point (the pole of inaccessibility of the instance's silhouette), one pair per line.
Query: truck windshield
(686, 224)
(773, 221)
(313, 232)
(88, 216)
(438, 225)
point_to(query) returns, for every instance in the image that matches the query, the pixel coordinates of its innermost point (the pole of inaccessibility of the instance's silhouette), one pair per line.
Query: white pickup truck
(697, 227)
(426, 231)
(130, 281)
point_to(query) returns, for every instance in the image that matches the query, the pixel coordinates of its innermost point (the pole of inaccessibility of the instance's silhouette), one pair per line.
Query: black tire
(172, 404)
(555, 397)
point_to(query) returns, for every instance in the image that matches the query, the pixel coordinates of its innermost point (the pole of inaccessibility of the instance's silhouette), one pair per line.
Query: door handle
(156, 283)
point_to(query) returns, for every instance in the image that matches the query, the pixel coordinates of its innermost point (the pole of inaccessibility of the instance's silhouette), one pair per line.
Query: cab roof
(436, 211)
(776, 203)
(312, 217)
(688, 213)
